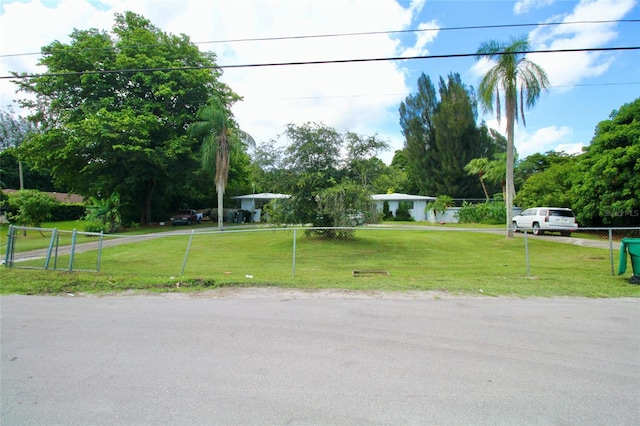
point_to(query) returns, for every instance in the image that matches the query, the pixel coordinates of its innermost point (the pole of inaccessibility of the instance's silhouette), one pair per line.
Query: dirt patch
(296, 294)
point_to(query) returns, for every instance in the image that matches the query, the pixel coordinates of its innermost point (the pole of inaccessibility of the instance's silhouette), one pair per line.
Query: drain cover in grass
(369, 272)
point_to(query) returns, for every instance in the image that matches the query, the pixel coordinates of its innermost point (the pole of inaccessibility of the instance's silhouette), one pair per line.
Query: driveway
(273, 356)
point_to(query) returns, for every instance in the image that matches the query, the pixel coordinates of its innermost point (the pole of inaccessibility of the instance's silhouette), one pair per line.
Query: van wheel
(537, 230)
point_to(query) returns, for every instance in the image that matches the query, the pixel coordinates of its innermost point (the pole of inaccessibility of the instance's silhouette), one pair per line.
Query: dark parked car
(186, 217)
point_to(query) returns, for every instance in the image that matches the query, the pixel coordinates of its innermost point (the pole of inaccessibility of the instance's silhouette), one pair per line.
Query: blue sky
(364, 97)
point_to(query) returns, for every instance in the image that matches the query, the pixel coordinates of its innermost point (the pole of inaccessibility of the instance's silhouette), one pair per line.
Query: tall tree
(221, 139)
(608, 186)
(267, 170)
(114, 108)
(511, 73)
(14, 130)
(362, 162)
(416, 119)
(442, 136)
(313, 162)
(457, 139)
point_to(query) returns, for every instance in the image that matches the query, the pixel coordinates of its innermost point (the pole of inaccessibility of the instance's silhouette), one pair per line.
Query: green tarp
(631, 246)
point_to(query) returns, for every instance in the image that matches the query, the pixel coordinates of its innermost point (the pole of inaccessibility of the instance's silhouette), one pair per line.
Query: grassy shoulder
(477, 263)
(37, 282)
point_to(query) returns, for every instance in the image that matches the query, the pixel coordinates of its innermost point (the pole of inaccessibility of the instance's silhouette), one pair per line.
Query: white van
(541, 219)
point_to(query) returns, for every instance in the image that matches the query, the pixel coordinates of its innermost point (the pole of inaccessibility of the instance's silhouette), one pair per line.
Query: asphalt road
(272, 357)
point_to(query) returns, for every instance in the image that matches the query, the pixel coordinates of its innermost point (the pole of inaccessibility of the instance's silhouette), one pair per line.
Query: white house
(417, 204)
(255, 202)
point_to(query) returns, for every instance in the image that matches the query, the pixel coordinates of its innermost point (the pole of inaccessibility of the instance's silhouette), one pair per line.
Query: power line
(364, 33)
(334, 61)
(416, 30)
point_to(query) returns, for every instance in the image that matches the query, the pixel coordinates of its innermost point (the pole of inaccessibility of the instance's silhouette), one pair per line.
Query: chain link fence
(275, 255)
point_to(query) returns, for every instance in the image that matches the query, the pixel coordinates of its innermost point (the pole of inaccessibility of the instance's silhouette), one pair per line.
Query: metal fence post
(526, 252)
(55, 258)
(51, 243)
(99, 251)
(293, 264)
(8, 257)
(611, 251)
(184, 263)
(73, 249)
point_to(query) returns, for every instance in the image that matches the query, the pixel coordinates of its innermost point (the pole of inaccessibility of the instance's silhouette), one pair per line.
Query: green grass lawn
(456, 262)
(34, 240)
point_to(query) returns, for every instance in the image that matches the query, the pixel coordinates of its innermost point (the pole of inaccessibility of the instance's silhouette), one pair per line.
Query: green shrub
(490, 213)
(67, 211)
(96, 227)
(386, 213)
(32, 207)
(402, 212)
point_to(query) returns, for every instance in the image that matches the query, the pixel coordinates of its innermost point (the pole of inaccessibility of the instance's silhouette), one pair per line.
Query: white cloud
(480, 67)
(523, 6)
(423, 39)
(570, 148)
(550, 138)
(567, 69)
(542, 140)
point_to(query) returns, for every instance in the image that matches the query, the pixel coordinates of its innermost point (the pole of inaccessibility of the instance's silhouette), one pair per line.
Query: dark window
(562, 213)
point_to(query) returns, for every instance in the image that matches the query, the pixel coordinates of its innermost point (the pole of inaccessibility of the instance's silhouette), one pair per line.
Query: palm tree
(496, 172)
(106, 210)
(441, 204)
(221, 139)
(479, 166)
(511, 73)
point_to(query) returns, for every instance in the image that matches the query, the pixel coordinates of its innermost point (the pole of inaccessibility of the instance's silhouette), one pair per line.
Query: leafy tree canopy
(33, 179)
(110, 124)
(320, 167)
(536, 163)
(549, 187)
(313, 162)
(607, 190)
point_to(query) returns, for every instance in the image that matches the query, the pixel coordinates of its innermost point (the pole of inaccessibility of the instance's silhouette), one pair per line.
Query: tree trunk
(145, 214)
(220, 192)
(21, 174)
(484, 188)
(510, 190)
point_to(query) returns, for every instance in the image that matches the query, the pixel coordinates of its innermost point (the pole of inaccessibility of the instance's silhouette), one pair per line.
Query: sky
(364, 97)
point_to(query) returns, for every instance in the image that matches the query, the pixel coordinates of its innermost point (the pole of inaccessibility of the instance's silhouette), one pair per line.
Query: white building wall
(418, 211)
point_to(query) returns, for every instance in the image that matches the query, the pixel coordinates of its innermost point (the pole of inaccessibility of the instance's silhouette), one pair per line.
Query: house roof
(375, 197)
(261, 196)
(63, 197)
(401, 197)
